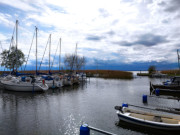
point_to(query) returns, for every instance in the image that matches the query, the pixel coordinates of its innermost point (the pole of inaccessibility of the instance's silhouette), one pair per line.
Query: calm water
(62, 111)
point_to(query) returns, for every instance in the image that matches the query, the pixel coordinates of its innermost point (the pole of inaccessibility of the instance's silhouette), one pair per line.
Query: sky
(111, 34)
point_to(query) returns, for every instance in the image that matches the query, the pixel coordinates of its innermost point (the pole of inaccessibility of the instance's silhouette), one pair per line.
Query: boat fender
(43, 81)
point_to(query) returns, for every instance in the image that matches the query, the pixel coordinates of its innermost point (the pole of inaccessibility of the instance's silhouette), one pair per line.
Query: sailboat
(53, 81)
(24, 83)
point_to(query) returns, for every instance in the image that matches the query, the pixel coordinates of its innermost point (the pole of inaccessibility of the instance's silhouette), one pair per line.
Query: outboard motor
(119, 108)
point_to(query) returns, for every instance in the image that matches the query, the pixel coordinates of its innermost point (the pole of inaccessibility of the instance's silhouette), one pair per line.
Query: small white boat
(82, 77)
(67, 80)
(16, 84)
(150, 120)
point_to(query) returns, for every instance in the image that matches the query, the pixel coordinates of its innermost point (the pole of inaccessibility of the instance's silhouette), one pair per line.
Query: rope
(12, 39)
(54, 56)
(152, 88)
(165, 109)
(29, 51)
(44, 53)
(141, 107)
(1, 46)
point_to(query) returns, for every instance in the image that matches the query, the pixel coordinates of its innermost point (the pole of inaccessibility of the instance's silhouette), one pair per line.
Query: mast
(49, 51)
(76, 55)
(60, 55)
(178, 59)
(16, 42)
(36, 48)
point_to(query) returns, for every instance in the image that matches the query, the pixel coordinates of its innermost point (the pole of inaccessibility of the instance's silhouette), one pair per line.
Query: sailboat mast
(36, 48)
(178, 58)
(49, 51)
(60, 55)
(76, 56)
(16, 42)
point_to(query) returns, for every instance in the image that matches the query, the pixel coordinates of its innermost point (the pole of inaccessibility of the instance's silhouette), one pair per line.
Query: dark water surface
(62, 111)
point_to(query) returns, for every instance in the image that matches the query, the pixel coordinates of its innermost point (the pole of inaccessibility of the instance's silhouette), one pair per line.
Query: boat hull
(173, 90)
(24, 86)
(149, 124)
(52, 84)
(167, 87)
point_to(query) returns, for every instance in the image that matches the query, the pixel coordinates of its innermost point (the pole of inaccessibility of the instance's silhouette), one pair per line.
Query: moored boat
(52, 81)
(67, 80)
(149, 120)
(29, 84)
(168, 88)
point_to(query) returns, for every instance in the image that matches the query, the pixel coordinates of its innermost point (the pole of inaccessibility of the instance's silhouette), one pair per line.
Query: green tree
(152, 69)
(8, 58)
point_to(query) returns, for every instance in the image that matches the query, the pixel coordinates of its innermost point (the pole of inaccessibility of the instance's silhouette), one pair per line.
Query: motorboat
(148, 119)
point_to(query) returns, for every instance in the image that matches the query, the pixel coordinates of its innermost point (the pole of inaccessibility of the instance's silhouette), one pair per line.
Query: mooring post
(144, 98)
(84, 130)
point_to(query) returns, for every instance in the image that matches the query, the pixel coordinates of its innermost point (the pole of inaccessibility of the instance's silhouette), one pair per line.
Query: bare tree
(80, 62)
(74, 62)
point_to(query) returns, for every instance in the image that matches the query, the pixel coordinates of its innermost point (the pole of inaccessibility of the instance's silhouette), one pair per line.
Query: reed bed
(114, 74)
(171, 72)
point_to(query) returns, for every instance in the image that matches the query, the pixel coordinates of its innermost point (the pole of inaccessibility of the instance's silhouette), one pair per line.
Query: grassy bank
(171, 72)
(114, 74)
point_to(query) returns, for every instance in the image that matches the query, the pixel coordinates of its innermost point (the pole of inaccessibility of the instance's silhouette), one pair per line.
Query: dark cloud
(162, 4)
(146, 40)
(165, 21)
(151, 40)
(110, 33)
(124, 43)
(94, 38)
(172, 6)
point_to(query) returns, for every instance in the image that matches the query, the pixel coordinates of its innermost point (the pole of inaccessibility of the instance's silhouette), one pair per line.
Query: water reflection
(62, 111)
(143, 130)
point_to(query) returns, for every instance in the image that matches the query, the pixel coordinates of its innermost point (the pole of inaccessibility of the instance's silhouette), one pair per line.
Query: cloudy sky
(111, 34)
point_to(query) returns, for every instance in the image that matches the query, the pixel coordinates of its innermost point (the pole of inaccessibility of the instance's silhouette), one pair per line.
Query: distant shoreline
(113, 74)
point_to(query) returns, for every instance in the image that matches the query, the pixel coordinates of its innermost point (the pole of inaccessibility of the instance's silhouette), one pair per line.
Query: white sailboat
(53, 81)
(26, 84)
(17, 84)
